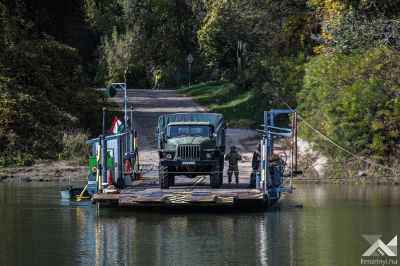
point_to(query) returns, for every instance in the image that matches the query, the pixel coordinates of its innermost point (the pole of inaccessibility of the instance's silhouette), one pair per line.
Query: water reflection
(38, 228)
(165, 239)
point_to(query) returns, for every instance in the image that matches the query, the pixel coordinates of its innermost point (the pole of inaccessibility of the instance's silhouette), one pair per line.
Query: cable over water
(331, 141)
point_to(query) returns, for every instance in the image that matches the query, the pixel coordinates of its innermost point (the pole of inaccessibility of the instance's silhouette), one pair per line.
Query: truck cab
(191, 145)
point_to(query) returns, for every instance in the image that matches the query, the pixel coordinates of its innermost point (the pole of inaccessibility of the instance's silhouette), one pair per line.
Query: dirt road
(148, 105)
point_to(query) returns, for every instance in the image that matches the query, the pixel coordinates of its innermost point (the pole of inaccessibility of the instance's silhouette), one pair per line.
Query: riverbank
(62, 171)
(44, 172)
(148, 105)
(345, 181)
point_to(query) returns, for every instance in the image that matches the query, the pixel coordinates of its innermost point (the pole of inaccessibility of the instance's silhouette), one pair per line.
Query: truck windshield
(192, 130)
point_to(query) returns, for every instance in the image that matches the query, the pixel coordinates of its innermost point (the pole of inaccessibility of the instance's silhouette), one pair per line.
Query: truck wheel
(215, 181)
(171, 180)
(221, 170)
(163, 177)
(221, 179)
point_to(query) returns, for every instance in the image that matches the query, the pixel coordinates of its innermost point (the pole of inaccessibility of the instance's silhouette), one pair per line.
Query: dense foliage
(355, 100)
(44, 79)
(334, 60)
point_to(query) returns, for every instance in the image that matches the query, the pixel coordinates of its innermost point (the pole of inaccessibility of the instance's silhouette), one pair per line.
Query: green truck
(191, 144)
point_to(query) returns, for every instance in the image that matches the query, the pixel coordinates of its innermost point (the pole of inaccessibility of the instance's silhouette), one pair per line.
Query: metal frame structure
(122, 85)
(129, 153)
(271, 178)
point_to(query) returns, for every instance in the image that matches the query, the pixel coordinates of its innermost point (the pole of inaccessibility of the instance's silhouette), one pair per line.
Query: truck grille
(188, 152)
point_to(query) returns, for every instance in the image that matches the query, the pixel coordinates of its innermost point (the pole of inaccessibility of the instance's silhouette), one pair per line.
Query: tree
(157, 34)
(268, 28)
(354, 99)
(44, 82)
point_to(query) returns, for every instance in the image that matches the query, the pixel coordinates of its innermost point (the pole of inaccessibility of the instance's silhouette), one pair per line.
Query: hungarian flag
(117, 126)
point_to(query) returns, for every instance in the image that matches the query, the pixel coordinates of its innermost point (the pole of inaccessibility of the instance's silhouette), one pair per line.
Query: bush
(30, 128)
(354, 99)
(74, 145)
(43, 91)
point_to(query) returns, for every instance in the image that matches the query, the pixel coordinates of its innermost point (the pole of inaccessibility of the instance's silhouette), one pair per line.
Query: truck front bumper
(177, 163)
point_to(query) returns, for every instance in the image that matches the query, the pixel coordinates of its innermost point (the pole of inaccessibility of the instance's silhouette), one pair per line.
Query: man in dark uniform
(233, 158)
(255, 165)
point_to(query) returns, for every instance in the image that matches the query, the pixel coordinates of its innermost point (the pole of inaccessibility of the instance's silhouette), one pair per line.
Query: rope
(347, 151)
(145, 172)
(331, 141)
(198, 181)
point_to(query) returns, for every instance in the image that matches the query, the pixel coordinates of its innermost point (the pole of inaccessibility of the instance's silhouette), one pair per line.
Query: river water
(38, 228)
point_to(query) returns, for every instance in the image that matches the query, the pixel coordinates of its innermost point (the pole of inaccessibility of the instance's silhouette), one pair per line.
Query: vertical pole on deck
(131, 120)
(131, 135)
(104, 162)
(103, 128)
(104, 152)
(126, 115)
(99, 166)
(292, 147)
(131, 141)
(260, 170)
(295, 142)
(266, 149)
(266, 166)
(270, 139)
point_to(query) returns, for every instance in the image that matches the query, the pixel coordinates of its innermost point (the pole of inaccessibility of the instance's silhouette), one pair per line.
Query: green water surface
(38, 228)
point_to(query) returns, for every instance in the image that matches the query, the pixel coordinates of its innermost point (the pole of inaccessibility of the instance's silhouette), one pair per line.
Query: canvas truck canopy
(216, 120)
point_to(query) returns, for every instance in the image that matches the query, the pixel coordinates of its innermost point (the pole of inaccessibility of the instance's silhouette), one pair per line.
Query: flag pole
(104, 121)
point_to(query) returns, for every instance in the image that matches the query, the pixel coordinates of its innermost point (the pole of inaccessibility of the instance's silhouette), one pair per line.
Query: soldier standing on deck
(255, 165)
(233, 158)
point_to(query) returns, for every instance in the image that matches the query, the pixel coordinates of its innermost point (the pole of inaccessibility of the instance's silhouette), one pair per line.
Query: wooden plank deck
(179, 196)
(185, 193)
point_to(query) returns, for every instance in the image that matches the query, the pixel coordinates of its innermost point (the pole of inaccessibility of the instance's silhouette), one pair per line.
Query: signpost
(239, 53)
(190, 60)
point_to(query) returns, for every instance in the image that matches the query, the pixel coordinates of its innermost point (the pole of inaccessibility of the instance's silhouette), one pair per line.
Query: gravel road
(148, 105)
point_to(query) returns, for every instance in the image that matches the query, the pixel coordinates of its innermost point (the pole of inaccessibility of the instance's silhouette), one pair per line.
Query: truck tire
(163, 177)
(215, 181)
(221, 170)
(221, 179)
(171, 180)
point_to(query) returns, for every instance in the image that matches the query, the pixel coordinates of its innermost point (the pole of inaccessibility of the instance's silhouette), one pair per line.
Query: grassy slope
(227, 99)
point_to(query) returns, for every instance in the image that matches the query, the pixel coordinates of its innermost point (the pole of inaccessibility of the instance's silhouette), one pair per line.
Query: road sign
(190, 59)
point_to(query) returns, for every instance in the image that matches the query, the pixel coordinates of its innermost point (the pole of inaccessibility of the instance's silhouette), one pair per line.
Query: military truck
(191, 144)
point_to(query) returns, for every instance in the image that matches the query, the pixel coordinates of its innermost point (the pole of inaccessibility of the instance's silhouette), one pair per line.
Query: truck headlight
(208, 155)
(169, 156)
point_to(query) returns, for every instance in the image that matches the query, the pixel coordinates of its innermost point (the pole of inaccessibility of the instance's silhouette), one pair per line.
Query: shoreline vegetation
(334, 61)
(243, 111)
(63, 171)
